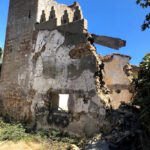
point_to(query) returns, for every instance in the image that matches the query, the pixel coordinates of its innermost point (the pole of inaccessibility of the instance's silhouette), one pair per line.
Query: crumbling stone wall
(118, 78)
(55, 71)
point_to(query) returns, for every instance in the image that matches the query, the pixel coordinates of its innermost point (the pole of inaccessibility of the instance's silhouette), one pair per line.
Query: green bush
(12, 132)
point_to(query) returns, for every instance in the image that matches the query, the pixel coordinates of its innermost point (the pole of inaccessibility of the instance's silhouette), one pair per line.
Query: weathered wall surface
(22, 16)
(54, 71)
(116, 78)
(18, 46)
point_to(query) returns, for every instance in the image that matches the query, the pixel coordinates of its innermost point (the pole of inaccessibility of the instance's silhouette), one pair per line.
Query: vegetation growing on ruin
(143, 90)
(12, 132)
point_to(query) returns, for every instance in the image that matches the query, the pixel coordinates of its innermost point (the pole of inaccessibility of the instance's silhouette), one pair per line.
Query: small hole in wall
(118, 91)
(29, 15)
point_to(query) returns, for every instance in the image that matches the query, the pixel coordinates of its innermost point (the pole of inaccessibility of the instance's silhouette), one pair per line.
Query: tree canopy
(143, 90)
(145, 4)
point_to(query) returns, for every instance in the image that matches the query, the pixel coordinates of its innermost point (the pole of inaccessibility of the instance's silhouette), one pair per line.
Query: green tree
(145, 4)
(143, 90)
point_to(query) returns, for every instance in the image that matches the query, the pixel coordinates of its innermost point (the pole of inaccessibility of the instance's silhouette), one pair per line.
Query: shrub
(12, 132)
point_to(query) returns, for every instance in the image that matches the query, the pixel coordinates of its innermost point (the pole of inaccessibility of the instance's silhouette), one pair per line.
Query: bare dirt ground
(22, 145)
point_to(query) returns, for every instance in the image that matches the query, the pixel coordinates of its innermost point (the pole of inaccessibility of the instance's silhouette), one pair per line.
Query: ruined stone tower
(51, 75)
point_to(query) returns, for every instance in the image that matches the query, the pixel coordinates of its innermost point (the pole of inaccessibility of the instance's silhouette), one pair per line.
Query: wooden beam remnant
(110, 42)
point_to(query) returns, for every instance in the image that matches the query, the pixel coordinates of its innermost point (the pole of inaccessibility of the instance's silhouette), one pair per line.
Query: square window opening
(59, 102)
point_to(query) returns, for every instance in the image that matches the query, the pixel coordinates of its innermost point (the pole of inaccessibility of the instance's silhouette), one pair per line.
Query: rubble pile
(128, 132)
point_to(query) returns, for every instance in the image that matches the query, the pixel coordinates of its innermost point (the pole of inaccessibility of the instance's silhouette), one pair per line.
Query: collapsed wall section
(118, 78)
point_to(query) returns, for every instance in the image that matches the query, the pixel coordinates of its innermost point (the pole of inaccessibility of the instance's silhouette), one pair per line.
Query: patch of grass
(12, 132)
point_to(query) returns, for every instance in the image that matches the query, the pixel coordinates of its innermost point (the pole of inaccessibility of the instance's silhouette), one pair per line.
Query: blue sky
(116, 18)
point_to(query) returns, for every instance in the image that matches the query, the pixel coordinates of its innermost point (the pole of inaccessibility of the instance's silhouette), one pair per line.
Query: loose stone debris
(127, 133)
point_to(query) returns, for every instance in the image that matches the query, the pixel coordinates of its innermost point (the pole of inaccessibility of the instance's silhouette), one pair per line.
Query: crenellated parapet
(73, 19)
